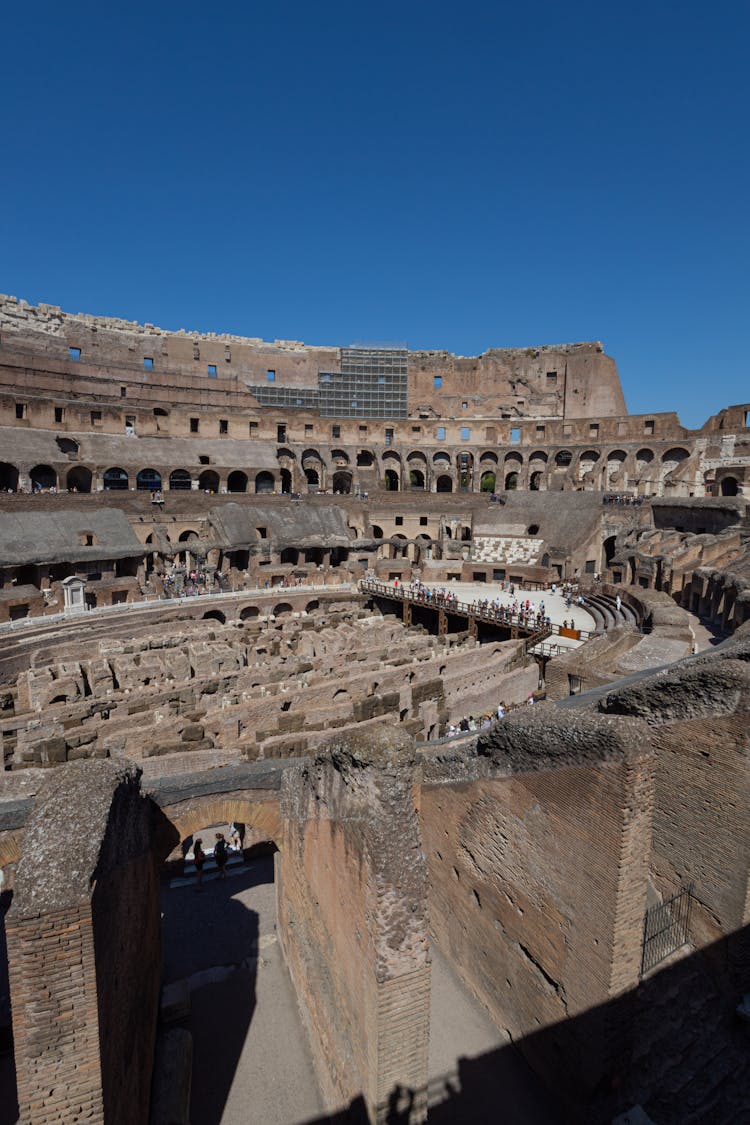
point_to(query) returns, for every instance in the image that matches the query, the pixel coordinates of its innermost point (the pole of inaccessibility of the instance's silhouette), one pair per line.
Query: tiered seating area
(509, 549)
(606, 614)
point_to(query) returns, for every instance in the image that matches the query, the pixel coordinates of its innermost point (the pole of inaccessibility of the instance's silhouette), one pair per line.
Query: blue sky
(458, 176)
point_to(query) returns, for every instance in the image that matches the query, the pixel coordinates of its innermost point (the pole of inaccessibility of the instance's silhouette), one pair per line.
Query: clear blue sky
(456, 175)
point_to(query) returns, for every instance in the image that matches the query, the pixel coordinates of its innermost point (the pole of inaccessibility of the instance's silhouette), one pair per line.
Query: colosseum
(454, 650)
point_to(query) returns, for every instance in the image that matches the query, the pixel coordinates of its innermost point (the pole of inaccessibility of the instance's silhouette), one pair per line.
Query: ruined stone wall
(84, 962)
(538, 881)
(352, 918)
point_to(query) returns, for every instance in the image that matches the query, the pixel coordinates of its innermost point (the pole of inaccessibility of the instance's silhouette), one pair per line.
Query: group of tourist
(623, 498)
(470, 723)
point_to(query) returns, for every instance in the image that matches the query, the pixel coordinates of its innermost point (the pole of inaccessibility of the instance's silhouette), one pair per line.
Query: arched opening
(390, 480)
(609, 548)
(237, 481)
(342, 482)
(249, 612)
(444, 484)
(535, 480)
(180, 481)
(365, 459)
(339, 457)
(8, 477)
(730, 486)
(148, 480)
(312, 477)
(532, 529)
(42, 476)
(511, 481)
(286, 481)
(416, 478)
(264, 482)
(188, 534)
(208, 481)
(214, 615)
(312, 606)
(377, 532)
(675, 456)
(283, 609)
(289, 555)
(115, 480)
(487, 481)
(563, 459)
(79, 479)
(644, 457)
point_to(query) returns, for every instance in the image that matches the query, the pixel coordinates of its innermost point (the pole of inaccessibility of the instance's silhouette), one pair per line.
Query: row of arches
(115, 479)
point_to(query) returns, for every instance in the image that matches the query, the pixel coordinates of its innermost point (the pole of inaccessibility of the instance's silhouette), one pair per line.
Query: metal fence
(666, 928)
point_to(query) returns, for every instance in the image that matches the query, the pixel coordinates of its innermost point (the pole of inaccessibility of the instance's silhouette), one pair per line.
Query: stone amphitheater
(261, 583)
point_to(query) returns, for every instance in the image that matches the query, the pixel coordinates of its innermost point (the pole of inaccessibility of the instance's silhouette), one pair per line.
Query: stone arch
(535, 480)
(563, 458)
(79, 479)
(513, 458)
(265, 482)
(248, 612)
(365, 459)
(285, 453)
(615, 461)
(377, 532)
(441, 459)
(444, 483)
(289, 555)
(391, 480)
(339, 457)
(8, 477)
(180, 481)
(286, 480)
(342, 481)
(188, 534)
(43, 476)
(67, 444)
(282, 609)
(214, 615)
(208, 481)
(729, 486)
(115, 479)
(148, 480)
(312, 606)
(511, 481)
(180, 821)
(237, 481)
(674, 456)
(487, 481)
(644, 457)
(416, 478)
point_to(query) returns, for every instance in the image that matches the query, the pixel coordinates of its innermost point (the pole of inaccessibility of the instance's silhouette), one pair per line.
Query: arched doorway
(444, 484)
(180, 481)
(416, 479)
(511, 481)
(8, 477)
(79, 479)
(264, 482)
(730, 486)
(148, 480)
(42, 476)
(237, 481)
(487, 481)
(535, 480)
(390, 480)
(115, 480)
(286, 481)
(342, 482)
(208, 481)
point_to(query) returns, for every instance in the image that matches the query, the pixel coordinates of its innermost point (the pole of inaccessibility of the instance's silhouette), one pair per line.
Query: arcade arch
(237, 481)
(180, 481)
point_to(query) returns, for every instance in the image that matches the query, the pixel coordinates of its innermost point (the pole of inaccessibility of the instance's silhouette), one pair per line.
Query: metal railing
(450, 604)
(666, 928)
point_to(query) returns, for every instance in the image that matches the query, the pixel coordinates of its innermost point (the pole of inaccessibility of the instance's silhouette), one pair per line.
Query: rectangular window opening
(437, 380)
(74, 353)
(96, 417)
(20, 410)
(59, 414)
(194, 425)
(223, 426)
(465, 433)
(123, 392)
(336, 431)
(212, 371)
(515, 435)
(440, 433)
(148, 363)
(271, 376)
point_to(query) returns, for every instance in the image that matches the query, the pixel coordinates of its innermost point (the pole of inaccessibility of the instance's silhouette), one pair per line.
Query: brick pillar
(55, 1020)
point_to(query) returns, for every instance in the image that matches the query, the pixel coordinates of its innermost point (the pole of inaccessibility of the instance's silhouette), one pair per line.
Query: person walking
(199, 858)
(220, 854)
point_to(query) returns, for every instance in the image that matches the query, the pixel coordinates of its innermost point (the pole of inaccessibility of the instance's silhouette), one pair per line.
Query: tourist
(220, 854)
(199, 858)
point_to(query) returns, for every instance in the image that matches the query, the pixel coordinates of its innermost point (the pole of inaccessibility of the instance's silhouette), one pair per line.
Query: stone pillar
(353, 921)
(84, 950)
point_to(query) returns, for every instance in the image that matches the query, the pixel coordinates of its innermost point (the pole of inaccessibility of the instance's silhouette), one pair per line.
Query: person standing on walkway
(220, 854)
(199, 858)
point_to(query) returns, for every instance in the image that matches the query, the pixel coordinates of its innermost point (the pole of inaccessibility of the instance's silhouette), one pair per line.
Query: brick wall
(538, 886)
(351, 907)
